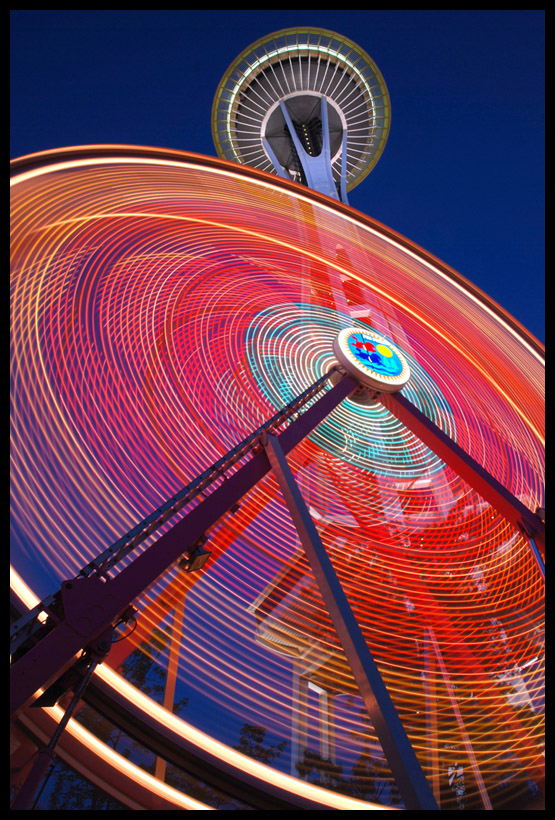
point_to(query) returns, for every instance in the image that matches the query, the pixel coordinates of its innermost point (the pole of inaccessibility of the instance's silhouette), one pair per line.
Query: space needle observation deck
(307, 104)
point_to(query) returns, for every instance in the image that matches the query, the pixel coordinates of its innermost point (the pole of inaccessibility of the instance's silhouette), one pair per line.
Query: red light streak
(162, 309)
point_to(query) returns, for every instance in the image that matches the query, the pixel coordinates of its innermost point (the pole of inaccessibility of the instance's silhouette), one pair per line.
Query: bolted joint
(88, 605)
(98, 649)
(531, 526)
(129, 614)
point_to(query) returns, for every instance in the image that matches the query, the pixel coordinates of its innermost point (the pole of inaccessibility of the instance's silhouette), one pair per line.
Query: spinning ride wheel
(164, 306)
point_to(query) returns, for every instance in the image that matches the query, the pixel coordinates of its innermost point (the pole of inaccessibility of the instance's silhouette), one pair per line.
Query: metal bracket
(196, 558)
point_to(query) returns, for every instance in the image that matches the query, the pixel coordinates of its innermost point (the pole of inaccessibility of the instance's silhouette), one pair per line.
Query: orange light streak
(164, 307)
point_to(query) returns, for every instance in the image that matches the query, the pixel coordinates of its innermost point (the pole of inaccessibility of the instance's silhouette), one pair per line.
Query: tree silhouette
(319, 771)
(372, 781)
(251, 743)
(66, 790)
(144, 669)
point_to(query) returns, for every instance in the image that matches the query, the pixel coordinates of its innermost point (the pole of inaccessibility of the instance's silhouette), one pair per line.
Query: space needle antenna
(307, 104)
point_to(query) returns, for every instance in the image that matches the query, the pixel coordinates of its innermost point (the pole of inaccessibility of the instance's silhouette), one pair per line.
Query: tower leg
(317, 169)
(430, 699)
(46, 755)
(413, 786)
(299, 708)
(466, 739)
(171, 678)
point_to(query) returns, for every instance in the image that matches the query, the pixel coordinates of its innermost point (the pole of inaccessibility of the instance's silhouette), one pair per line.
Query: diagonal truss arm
(470, 471)
(92, 605)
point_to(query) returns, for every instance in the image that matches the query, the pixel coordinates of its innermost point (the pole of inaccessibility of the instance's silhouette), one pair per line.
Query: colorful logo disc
(371, 359)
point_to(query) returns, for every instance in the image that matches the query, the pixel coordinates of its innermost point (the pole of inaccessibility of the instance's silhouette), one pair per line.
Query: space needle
(307, 104)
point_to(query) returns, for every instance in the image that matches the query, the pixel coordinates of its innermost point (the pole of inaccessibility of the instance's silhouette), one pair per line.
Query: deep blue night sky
(462, 173)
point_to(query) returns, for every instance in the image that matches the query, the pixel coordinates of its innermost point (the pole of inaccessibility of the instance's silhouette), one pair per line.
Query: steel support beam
(413, 786)
(491, 490)
(431, 710)
(46, 755)
(462, 728)
(171, 676)
(317, 169)
(92, 606)
(299, 714)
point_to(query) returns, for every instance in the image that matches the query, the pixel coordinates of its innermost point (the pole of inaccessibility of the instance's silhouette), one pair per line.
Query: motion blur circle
(164, 305)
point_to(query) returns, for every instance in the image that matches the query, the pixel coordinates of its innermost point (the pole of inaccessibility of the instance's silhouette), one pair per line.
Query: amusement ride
(277, 473)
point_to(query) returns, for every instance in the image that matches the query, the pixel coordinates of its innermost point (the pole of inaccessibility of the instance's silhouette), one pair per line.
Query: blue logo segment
(378, 356)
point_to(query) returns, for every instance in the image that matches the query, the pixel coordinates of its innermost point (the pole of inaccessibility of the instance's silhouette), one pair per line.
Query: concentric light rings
(159, 315)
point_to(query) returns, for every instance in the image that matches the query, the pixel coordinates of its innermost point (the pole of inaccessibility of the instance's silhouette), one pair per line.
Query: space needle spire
(306, 104)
